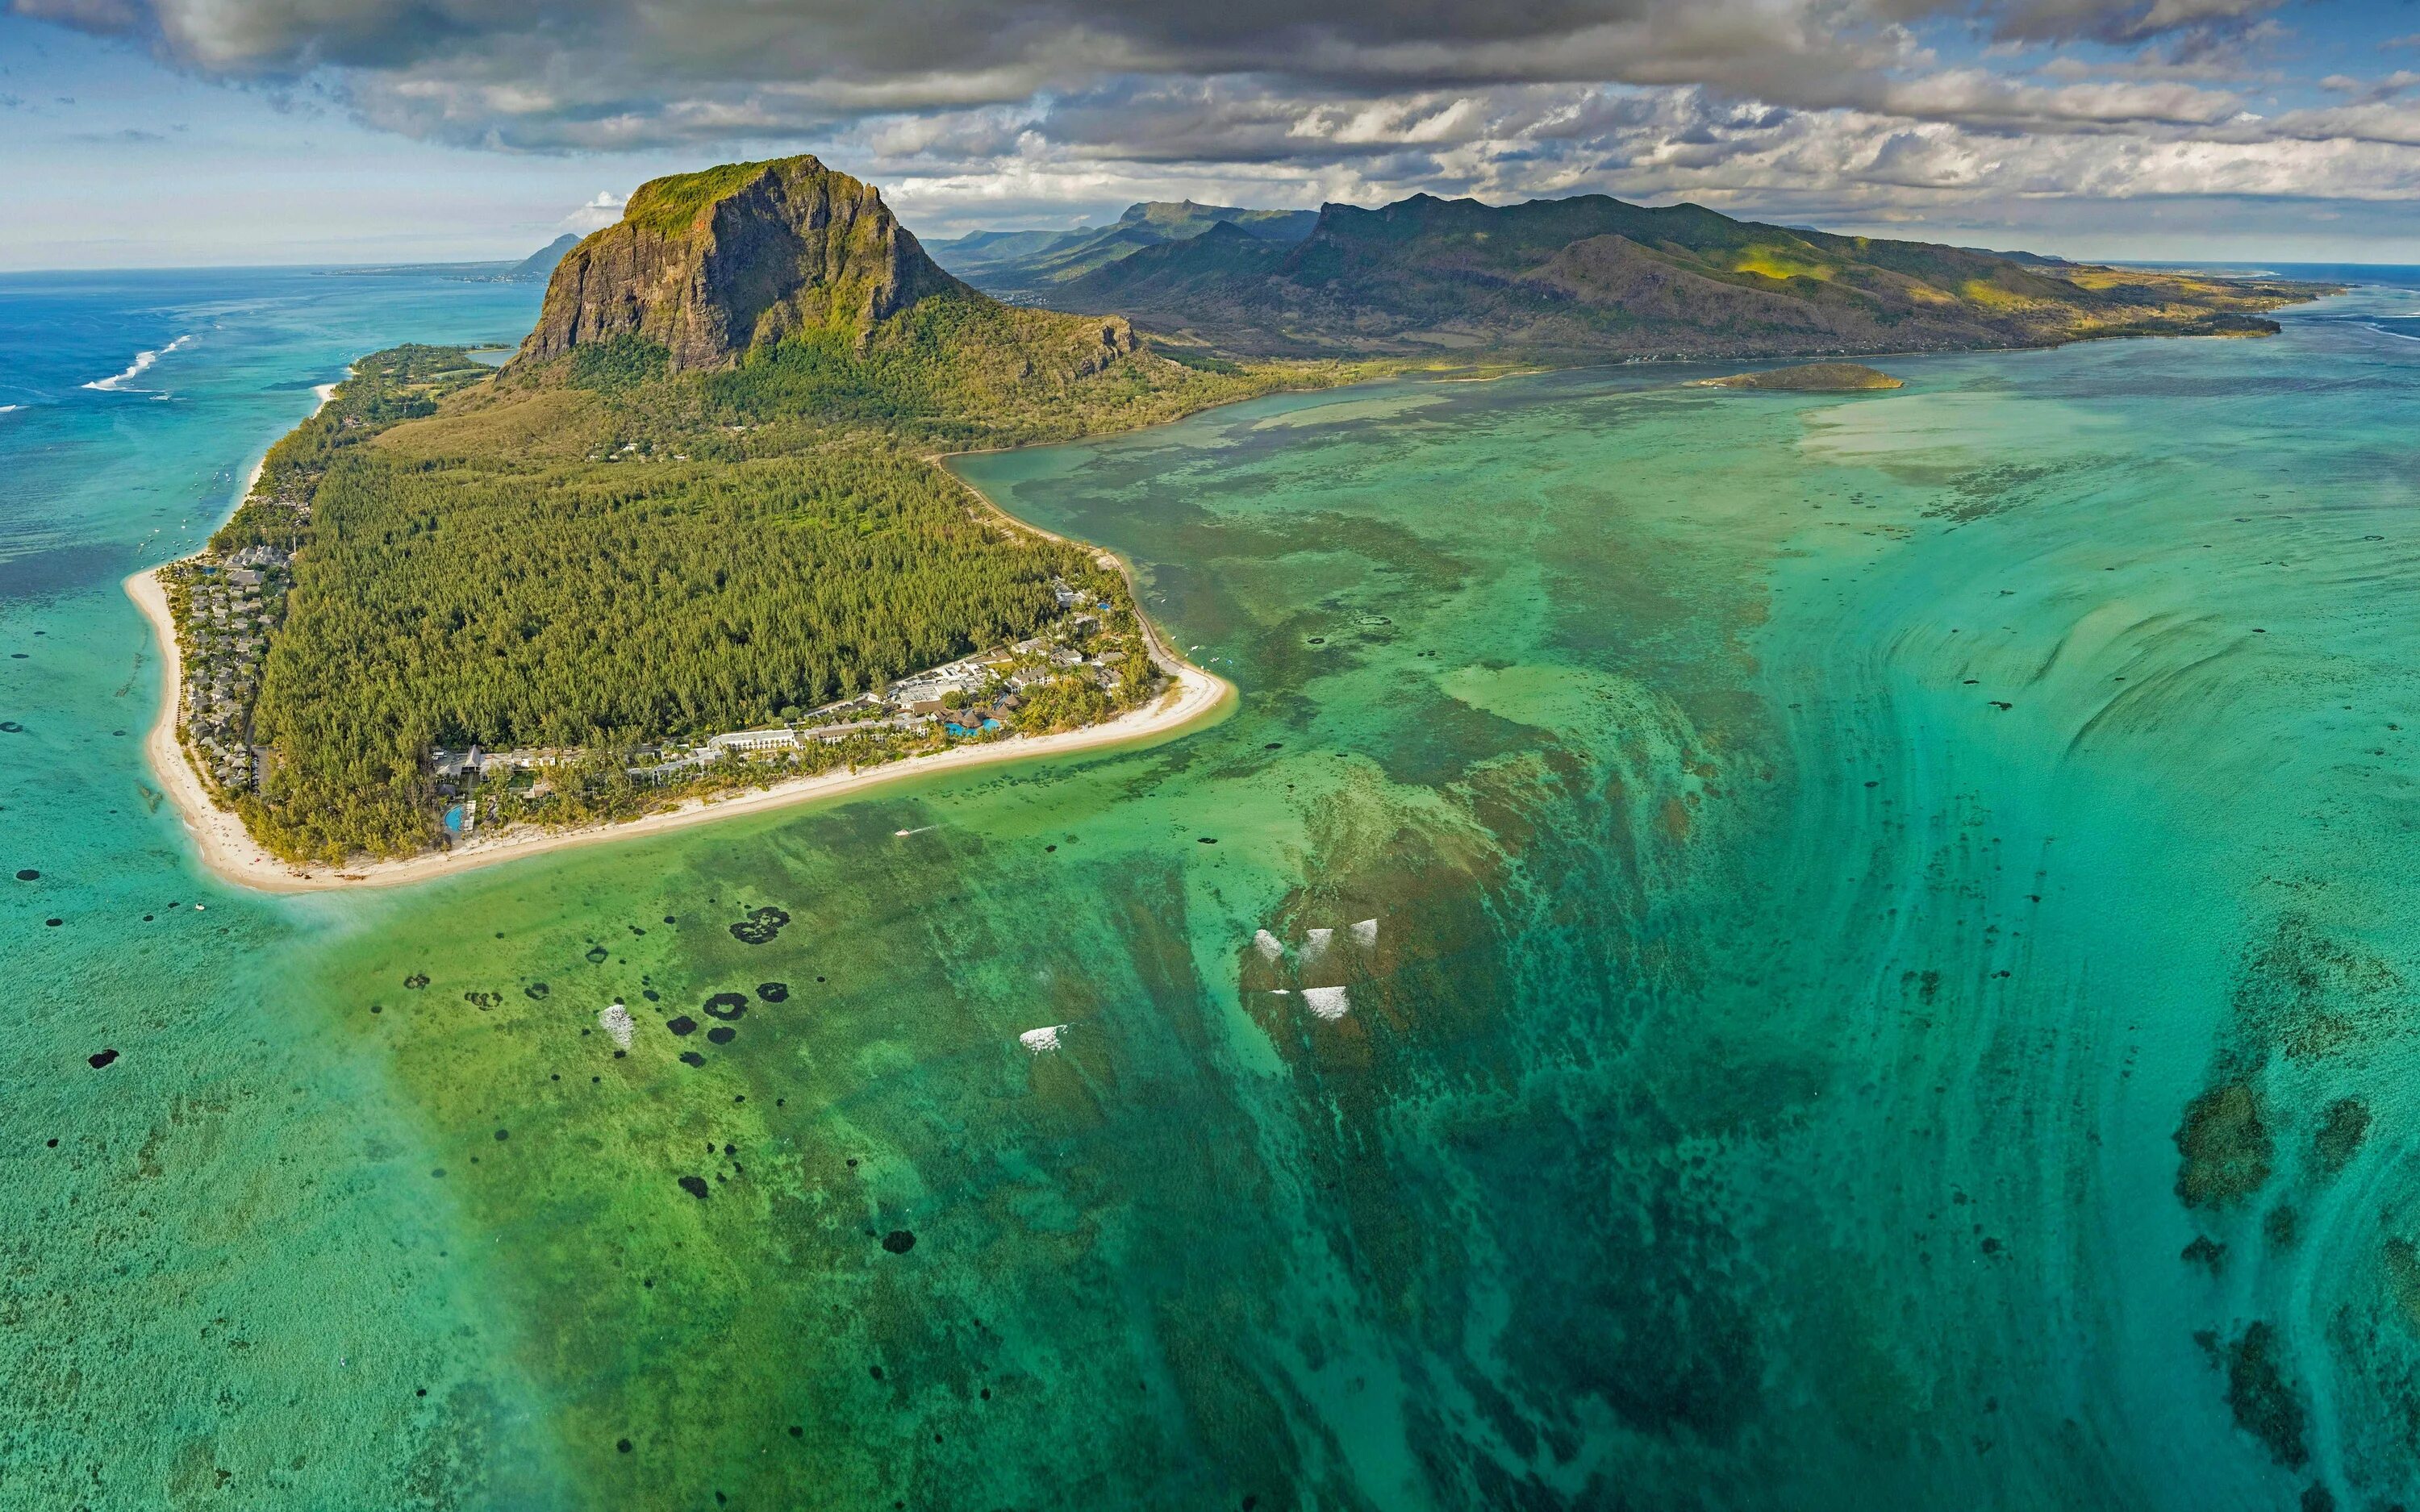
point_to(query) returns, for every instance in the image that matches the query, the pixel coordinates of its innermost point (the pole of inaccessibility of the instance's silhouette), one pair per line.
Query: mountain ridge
(1026, 266)
(1591, 277)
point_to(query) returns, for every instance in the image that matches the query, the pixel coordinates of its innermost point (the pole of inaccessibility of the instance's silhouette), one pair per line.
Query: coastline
(230, 854)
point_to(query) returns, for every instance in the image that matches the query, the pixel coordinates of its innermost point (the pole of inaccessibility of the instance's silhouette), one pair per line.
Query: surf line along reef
(685, 553)
(647, 575)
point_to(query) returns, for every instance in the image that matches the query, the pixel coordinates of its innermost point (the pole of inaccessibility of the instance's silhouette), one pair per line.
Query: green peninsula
(691, 537)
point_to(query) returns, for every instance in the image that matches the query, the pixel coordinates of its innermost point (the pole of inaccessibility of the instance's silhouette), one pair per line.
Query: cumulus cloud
(1863, 109)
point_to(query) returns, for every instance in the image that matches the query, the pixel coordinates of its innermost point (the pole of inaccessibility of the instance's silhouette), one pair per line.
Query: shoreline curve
(229, 853)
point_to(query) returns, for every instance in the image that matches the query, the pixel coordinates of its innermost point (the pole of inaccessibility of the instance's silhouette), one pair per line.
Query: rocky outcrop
(710, 264)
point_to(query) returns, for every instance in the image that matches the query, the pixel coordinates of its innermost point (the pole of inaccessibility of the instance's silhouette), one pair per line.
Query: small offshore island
(693, 545)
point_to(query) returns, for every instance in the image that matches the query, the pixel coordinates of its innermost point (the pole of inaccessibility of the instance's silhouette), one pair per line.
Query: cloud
(1861, 110)
(611, 74)
(596, 215)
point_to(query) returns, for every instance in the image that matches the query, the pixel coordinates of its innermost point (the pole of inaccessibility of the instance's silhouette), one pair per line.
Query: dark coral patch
(899, 1241)
(695, 1186)
(597, 955)
(28, 874)
(683, 1024)
(2265, 1403)
(483, 1001)
(2341, 1130)
(103, 1059)
(722, 1034)
(773, 992)
(760, 927)
(690, 1057)
(417, 980)
(536, 991)
(725, 1006)
(2226, 1147)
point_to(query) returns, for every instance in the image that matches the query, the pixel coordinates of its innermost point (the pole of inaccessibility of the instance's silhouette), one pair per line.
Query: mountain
(540, 265)
(1591, 278)
(1029, 265)
(708, 265)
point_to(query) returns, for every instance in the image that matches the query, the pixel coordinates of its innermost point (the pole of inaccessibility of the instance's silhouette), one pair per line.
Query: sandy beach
(230, 853)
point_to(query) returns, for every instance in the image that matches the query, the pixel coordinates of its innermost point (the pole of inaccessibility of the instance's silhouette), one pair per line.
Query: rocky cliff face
(710, 264)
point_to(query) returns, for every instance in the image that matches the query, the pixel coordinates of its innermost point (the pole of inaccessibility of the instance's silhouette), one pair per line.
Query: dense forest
(605, 606)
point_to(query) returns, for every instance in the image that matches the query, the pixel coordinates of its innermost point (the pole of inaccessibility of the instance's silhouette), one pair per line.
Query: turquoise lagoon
(1738, 949)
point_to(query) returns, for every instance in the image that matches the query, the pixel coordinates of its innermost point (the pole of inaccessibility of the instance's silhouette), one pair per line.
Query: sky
(184, 133)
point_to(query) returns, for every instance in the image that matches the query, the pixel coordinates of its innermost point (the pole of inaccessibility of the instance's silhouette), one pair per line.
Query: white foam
(1365, 934)
(615, 1021)
(1315, 943)
(1042, 1040)
(10, 408)
(1329, 1003)
(135, 369)
(1268, 944)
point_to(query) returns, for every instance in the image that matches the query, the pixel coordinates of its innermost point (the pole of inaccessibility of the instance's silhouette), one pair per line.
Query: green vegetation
(1589, 278)
(670, 205)
(398, 384)
(601, 606)
(625, 362)
(602, 558)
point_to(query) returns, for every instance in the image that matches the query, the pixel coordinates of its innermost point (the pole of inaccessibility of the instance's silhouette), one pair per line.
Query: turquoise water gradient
(1821, 849)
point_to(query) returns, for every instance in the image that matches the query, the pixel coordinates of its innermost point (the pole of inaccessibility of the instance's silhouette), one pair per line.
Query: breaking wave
(135, 369)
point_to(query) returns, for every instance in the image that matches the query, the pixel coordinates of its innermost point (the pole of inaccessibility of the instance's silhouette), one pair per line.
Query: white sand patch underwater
(1315, 943)
(1268, 944)
(1329, 1003)
(1365, 934)
(1043, 1040)
(617, 1025)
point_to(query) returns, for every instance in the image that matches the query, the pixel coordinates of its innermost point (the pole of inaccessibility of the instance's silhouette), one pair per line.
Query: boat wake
(135, 369)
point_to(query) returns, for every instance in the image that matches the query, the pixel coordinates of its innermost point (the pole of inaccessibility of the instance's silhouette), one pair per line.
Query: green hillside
(1590, 278)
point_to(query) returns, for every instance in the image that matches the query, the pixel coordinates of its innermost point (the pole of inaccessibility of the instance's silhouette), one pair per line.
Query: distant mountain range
(1589, 278)
(539, 266)
(1029, 265)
